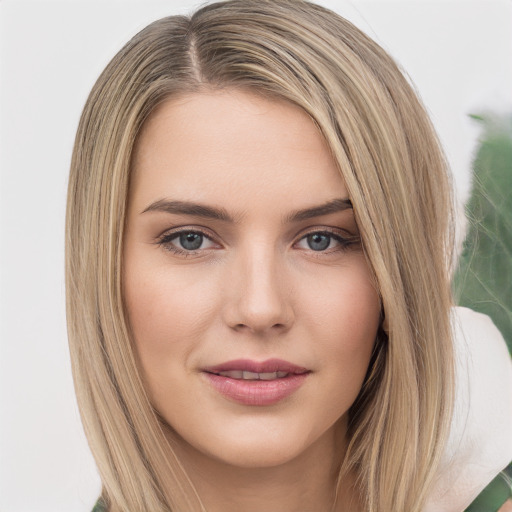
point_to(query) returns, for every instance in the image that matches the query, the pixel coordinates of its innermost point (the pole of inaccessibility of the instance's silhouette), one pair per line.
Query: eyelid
(187, 228)
(165, 238)
(343, 237)
(344, 233)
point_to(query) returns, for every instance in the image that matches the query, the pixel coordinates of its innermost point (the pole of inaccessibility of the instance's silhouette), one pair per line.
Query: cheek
(346, 317)
(347, 304)
(168, 313)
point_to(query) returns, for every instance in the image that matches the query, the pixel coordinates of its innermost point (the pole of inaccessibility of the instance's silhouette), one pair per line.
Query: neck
(307, 482)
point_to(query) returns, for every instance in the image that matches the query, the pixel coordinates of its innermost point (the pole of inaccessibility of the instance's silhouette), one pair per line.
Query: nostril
(241, 326)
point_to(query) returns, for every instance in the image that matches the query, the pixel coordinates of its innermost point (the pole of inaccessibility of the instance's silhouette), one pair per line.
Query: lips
(239, 374)
(256, 383)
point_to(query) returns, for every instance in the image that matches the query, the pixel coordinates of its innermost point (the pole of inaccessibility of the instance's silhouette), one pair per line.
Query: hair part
(396, 175)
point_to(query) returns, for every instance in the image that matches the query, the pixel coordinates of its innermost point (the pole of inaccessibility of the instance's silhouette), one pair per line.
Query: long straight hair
(395, 172)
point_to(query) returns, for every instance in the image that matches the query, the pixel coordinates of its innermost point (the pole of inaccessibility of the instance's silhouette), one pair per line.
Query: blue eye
(318, 241)
(186, 242)
(326, 241)
(191, 241)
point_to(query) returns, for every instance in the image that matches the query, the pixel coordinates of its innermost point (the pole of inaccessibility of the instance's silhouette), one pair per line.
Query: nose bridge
(262, 298)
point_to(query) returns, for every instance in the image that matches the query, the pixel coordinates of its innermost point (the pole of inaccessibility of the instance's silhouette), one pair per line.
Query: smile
(256, 383)
(238, 374)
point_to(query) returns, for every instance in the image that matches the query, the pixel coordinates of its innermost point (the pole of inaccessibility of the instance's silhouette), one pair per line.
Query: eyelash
(166, 239)
(345, 242)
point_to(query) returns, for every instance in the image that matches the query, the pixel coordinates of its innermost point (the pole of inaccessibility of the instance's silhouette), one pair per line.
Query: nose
(260, 297)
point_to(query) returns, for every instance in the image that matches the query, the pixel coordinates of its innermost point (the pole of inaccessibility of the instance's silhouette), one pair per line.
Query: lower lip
(256, 392)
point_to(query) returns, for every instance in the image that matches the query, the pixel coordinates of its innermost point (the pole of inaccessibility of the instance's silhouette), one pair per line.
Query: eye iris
(191, 241)
(318, 242)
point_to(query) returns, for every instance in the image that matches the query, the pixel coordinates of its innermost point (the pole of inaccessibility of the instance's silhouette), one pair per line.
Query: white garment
(480, 443)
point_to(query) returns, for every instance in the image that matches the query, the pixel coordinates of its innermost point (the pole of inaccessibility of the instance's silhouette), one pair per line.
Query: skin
(254, 289)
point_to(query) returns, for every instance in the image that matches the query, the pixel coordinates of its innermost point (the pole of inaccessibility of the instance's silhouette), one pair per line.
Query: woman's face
(248, 294)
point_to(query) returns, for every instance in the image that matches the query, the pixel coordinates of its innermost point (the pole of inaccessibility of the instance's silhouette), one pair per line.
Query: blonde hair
(395, 172)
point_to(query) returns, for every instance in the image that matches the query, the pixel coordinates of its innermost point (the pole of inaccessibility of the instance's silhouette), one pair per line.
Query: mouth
(256, 370)
(256, 383)
(245, 375)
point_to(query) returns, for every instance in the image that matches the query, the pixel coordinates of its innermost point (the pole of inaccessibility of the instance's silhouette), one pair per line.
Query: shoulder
(495, 495)
(479, 445)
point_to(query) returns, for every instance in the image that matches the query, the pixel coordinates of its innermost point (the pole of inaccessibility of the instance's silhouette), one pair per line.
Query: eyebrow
(189, 208)
(211, 212)
(334, 206)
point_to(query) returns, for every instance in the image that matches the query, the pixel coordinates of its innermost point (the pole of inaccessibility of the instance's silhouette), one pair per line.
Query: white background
(458, 53)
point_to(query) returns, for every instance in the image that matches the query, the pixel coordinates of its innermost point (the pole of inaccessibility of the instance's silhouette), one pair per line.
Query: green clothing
(99, 507)
(494, 495)
(489, 500)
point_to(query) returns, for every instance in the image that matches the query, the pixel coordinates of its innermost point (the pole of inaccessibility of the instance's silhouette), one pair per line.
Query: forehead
(229, 146)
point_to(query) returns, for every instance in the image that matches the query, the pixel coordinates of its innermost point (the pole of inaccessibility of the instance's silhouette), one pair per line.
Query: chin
(259, 455)
(258, 448)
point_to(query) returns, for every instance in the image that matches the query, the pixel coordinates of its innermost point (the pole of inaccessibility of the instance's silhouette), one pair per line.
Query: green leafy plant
(483, 280)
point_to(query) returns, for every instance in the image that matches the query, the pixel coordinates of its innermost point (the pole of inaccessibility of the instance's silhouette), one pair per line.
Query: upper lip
(268, 366)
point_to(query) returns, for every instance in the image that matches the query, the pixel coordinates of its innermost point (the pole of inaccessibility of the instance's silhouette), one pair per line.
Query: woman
(257, 269)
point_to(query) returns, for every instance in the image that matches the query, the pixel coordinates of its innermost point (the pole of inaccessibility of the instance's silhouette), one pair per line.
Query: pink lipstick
(256, 383)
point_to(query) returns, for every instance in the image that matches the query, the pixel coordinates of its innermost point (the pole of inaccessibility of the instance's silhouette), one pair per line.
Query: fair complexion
(507, 506)
(241, 245)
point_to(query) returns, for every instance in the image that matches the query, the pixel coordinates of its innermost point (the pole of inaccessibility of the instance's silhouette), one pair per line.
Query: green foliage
(483, 280)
